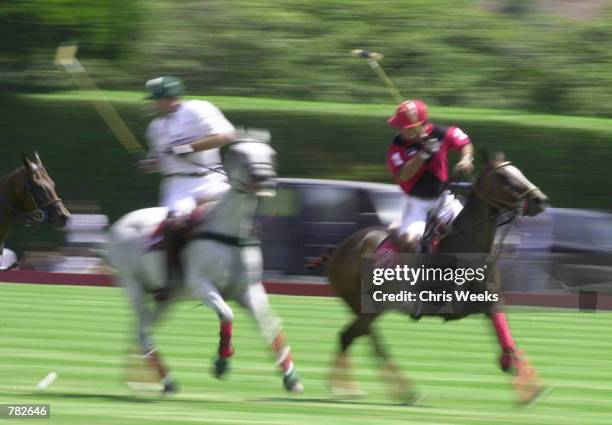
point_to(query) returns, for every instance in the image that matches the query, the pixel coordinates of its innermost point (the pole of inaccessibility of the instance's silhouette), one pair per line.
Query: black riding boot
(174, 230)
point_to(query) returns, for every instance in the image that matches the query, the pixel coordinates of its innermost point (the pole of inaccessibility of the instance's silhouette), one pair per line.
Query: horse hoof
(221, 367)
(347, 392)
(411, 398)
(161, 295)
(170, 388)
(293, 383)
(536, 396)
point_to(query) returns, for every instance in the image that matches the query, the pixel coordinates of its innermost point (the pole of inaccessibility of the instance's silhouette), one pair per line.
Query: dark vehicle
(309, 216)
(582, 250)
(560, 249)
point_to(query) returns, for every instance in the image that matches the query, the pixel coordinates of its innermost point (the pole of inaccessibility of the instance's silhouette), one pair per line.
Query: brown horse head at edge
(28, 194)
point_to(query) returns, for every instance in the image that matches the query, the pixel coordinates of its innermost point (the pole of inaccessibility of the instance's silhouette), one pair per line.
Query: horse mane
(8, 176)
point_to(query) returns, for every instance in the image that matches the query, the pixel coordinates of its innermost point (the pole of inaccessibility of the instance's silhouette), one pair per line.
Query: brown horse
(500, 188)
(27, 194)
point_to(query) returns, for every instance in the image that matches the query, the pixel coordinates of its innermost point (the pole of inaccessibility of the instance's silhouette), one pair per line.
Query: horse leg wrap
(503, 331)
(225, 340)
(283, 354)
(291, 379)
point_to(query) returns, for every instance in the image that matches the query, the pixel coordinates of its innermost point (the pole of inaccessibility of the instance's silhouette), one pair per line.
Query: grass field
(81, 333)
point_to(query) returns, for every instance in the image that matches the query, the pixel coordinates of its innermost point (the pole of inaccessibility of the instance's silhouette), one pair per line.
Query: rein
(223, 173)
(501, 206)
(219, 171)
(33, 217)
(264, 137)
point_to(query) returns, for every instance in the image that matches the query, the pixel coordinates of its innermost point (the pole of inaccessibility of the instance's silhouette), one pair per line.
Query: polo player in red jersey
(418, 159)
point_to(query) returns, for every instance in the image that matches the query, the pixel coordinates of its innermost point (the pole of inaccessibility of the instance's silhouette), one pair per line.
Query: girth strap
(226, 239)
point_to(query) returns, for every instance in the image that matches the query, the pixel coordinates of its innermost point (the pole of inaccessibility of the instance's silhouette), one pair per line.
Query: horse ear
(37, 158)
(26, 161)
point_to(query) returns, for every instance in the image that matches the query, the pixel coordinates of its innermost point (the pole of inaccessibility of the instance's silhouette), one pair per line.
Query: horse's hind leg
(391, 373)
(146, 318)
(255, 300)
(341, 379)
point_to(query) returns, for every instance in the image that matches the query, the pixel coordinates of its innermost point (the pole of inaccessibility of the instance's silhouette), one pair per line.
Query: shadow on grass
(145, 399)
(339, 401)
(108, 397)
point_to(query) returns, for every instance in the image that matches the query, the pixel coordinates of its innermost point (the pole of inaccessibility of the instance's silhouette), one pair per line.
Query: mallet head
(66, 57)
(65, 54)
(367, 54)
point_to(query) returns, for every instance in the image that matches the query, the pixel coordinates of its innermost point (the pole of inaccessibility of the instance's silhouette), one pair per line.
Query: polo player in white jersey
(184, 142)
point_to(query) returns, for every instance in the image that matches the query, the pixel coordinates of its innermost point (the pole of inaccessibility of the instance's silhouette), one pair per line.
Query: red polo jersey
(401, 151)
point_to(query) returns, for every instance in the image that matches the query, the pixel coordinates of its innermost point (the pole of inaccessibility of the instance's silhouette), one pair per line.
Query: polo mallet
(66, 58)
(373, 60)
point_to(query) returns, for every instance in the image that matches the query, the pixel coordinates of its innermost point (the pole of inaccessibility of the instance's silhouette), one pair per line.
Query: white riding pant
(181, 194)
(416, 211)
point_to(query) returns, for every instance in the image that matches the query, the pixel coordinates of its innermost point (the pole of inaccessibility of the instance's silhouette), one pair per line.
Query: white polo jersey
(185, 181)
(194, 119)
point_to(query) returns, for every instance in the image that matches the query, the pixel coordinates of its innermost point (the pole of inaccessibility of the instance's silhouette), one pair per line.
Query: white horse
(221, 261)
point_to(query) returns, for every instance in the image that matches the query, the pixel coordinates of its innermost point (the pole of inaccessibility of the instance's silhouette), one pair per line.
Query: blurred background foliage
(539, 55)
(493, 67)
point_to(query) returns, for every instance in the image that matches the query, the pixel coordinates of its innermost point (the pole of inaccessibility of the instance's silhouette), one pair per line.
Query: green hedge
(569, 158)
(520, 54)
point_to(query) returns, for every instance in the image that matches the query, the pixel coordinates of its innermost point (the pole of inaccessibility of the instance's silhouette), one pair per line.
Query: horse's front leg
(226, 320)
(255, 300)
(201, 277)
(526, 381)
(203, 289)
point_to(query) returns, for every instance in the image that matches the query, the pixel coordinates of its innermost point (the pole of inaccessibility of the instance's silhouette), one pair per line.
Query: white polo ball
(47, 380)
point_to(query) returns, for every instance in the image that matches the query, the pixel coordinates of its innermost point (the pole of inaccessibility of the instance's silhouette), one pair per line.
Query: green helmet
(164, 87)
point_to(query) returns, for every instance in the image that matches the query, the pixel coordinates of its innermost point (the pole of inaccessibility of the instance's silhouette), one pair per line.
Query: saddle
(179, 227)
(435, 229)
(171, 236)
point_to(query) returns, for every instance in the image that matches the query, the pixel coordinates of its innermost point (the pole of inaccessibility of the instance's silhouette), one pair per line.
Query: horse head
(39, 196)
(504, 187)
(250, 163)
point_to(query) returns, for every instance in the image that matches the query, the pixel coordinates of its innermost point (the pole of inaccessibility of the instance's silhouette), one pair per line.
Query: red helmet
(409, 114)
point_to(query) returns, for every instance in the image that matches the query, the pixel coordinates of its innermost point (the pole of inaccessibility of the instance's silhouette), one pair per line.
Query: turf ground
(81, 333)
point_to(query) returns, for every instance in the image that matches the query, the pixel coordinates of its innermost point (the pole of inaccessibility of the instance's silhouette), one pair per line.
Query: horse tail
(319, 262)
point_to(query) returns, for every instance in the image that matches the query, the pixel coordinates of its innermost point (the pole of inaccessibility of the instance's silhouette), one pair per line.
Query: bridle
(502, 204)
(40, 212)
(239, 187)
(33, 218)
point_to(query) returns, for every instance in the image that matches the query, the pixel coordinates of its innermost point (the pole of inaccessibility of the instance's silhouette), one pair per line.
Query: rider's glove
(181, 149)
(429, 148)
